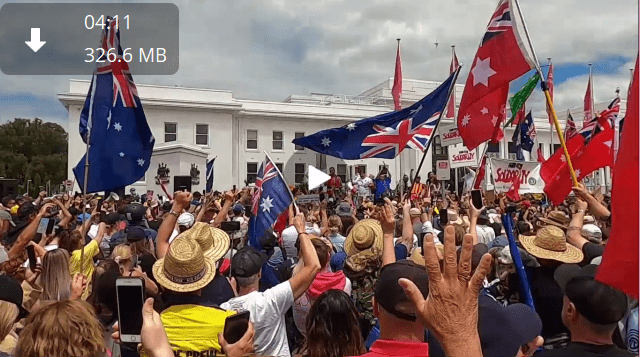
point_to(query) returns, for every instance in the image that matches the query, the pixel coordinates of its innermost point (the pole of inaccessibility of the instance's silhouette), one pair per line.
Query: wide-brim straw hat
(184, 268)
(551, 243)
(557, 218)
(365, 234)
(214, 242)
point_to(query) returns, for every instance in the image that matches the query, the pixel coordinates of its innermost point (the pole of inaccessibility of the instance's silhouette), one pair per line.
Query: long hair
(55, 279)
(333, 329)
(62, 329)
(8, 314)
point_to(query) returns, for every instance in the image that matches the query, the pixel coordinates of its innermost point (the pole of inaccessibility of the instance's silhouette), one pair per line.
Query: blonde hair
(121, 252)
(62, 329)
(55, 279)
(8, 315)
(335, 224)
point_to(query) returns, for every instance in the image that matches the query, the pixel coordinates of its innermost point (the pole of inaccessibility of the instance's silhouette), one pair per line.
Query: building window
(556, 147)
(278, 141)
(493, 150)
(299, 174)
(252, 139)
(362, 169)
(298, 147)
(512, 149)
(341, 171)
(202, 134)
(280, 167)
(170, 132)
(252, 172)
(437, 146)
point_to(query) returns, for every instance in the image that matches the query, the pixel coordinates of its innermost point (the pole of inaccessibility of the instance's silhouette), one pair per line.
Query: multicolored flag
(517, 101)
(570, 127)
(589, 113)
(396, 91)
(500, 59)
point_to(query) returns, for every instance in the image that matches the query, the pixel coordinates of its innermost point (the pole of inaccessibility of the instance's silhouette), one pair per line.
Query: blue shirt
(338, 241)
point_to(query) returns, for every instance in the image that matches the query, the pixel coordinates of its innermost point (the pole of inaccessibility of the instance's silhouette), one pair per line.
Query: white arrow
(316, 177)
(35, 42)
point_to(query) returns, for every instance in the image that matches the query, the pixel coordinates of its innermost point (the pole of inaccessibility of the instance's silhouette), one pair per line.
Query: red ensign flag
(396, 91)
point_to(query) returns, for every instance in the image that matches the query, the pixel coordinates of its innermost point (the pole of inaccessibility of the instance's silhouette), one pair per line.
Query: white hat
(186, 219)
(592, 232)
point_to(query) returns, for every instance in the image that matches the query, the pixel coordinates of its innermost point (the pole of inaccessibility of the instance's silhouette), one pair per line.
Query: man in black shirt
(591, 311)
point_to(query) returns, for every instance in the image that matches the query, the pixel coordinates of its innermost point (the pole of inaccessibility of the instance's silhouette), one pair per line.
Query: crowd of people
(367, 270)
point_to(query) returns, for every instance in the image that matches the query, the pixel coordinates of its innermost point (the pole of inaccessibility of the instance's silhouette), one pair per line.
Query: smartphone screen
(130, 295)
(31, 253)
(476, 198)
(50, 225)
(444, 217)
(235, 326)
(42, 226)
(103, 215)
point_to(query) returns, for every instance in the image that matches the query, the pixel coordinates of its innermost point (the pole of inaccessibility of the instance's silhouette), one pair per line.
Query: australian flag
(525, 136)
(210, 174)
(386, 135)
(121, 143)
(270, 198)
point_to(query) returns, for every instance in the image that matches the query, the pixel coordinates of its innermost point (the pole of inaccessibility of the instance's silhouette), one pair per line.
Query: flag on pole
(588, 122)
(540, 157)
(501, 58)
(396, 91)
(520, 116)
(514, 192)
(480, 174)
(451, 107)
(210, 174)
(517, 101)
(570, 127)
(121, 143)
(270, 198)
(619, 267)
(386, 135)
(550, 85)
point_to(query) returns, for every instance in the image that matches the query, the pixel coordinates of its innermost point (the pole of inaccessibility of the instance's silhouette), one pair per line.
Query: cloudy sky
(269, 49)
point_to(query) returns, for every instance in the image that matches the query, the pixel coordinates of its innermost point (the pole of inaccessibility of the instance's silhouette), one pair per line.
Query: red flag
(480, 174)
(585, 157)
(540, 155)
(451, 107)
(520, 116)
(619, 267)
(550, 84)
(500, 59)
(570, 129)
(513, 194)
(396, 91)
(588, 104)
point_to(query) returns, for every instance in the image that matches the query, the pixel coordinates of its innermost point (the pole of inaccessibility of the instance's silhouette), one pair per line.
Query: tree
(33, 149)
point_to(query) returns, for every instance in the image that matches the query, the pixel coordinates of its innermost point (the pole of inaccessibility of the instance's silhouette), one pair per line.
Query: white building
(200, 123)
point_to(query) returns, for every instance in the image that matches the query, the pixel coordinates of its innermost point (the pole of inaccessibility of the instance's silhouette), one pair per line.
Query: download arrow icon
(35, 42)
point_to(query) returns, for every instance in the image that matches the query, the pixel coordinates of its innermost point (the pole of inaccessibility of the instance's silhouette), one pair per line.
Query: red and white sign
(505, 171)
(449, 135)
(442, 170)
(460, 156)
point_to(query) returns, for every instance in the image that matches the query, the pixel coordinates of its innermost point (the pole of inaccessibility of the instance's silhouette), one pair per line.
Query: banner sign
(442, 170)
(308, 199)
(460, 156)
(449, 135)
(504, 172)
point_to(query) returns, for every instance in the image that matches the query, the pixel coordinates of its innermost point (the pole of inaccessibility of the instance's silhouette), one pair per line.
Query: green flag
(517, 101)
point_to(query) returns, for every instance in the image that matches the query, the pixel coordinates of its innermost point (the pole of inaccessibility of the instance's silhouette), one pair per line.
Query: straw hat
(454, 218)
(214, 242)
(551, 243)
(557, 218)
(364, 235)
(184, 268)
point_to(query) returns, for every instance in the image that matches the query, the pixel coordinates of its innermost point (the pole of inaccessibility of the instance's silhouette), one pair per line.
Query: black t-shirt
(146, 262)
(547, 299)
(218, 291)
(585, 350)
(591, 250)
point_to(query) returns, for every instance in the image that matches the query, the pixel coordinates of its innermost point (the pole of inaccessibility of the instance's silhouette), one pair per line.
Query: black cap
(597, 302)
(390, 295)
(135, 212)
(477, 252)
(11, 291)
(135, 234)
(112, 218)
(247, 262)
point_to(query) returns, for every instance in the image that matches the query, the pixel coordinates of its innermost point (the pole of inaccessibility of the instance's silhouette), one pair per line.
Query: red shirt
(383, 348)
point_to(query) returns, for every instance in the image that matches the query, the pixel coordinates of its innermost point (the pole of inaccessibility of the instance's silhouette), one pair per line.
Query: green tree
(33, 149)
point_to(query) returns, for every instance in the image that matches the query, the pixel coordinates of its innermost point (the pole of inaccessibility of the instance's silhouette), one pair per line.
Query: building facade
(237, 132)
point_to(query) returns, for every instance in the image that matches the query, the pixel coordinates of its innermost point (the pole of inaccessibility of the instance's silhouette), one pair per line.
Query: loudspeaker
(8, 187)
(181, 183)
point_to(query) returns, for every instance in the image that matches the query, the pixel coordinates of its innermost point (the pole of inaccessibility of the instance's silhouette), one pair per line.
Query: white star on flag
(466, 119)
(608, 143)
(563, 158)
(416, 110)
(326, 141)
(484, 110)
(494, 120)
(351, 127)
(117, 126)
(121, 154)
(141, 162)
(266, 204)
(578, 173)
(482, 71)
(151, 138)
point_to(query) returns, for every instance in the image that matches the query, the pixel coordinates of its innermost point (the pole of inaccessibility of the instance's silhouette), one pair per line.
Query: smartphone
(235, 326)
(100, 202)
(31, 253)
(230, 226)
(444, 217)
(476, 198)
(234, 188)
(42, 226)
(50, 225)
(130, 298)
(103, 216)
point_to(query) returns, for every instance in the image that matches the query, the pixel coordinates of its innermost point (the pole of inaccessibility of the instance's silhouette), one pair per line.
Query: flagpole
(550, 126)
(86, 166)
(545, 88)
(281, 175)
(399, 154)
(426, 149)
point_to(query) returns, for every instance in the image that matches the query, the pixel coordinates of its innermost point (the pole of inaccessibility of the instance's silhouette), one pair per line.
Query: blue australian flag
(210, 174)
(386, 135)
(121, 143)
(270, 198)
(524, 136)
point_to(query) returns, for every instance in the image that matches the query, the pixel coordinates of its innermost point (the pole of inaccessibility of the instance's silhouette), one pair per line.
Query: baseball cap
(11, 291)
(247, 262)
(112, 218)
(7, 216)
(344, 210)
(390, 295)
(597, 302)
(186, 219)
(135, 234)
(135, 212)
(238, 208)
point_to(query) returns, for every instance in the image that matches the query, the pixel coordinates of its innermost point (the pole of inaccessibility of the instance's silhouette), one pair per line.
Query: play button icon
(316, 177)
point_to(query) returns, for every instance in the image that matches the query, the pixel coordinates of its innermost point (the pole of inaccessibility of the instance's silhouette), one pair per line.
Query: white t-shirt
(290, 236)
(267, 311)
(485, 234)
(363, 185)
(174, 234)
